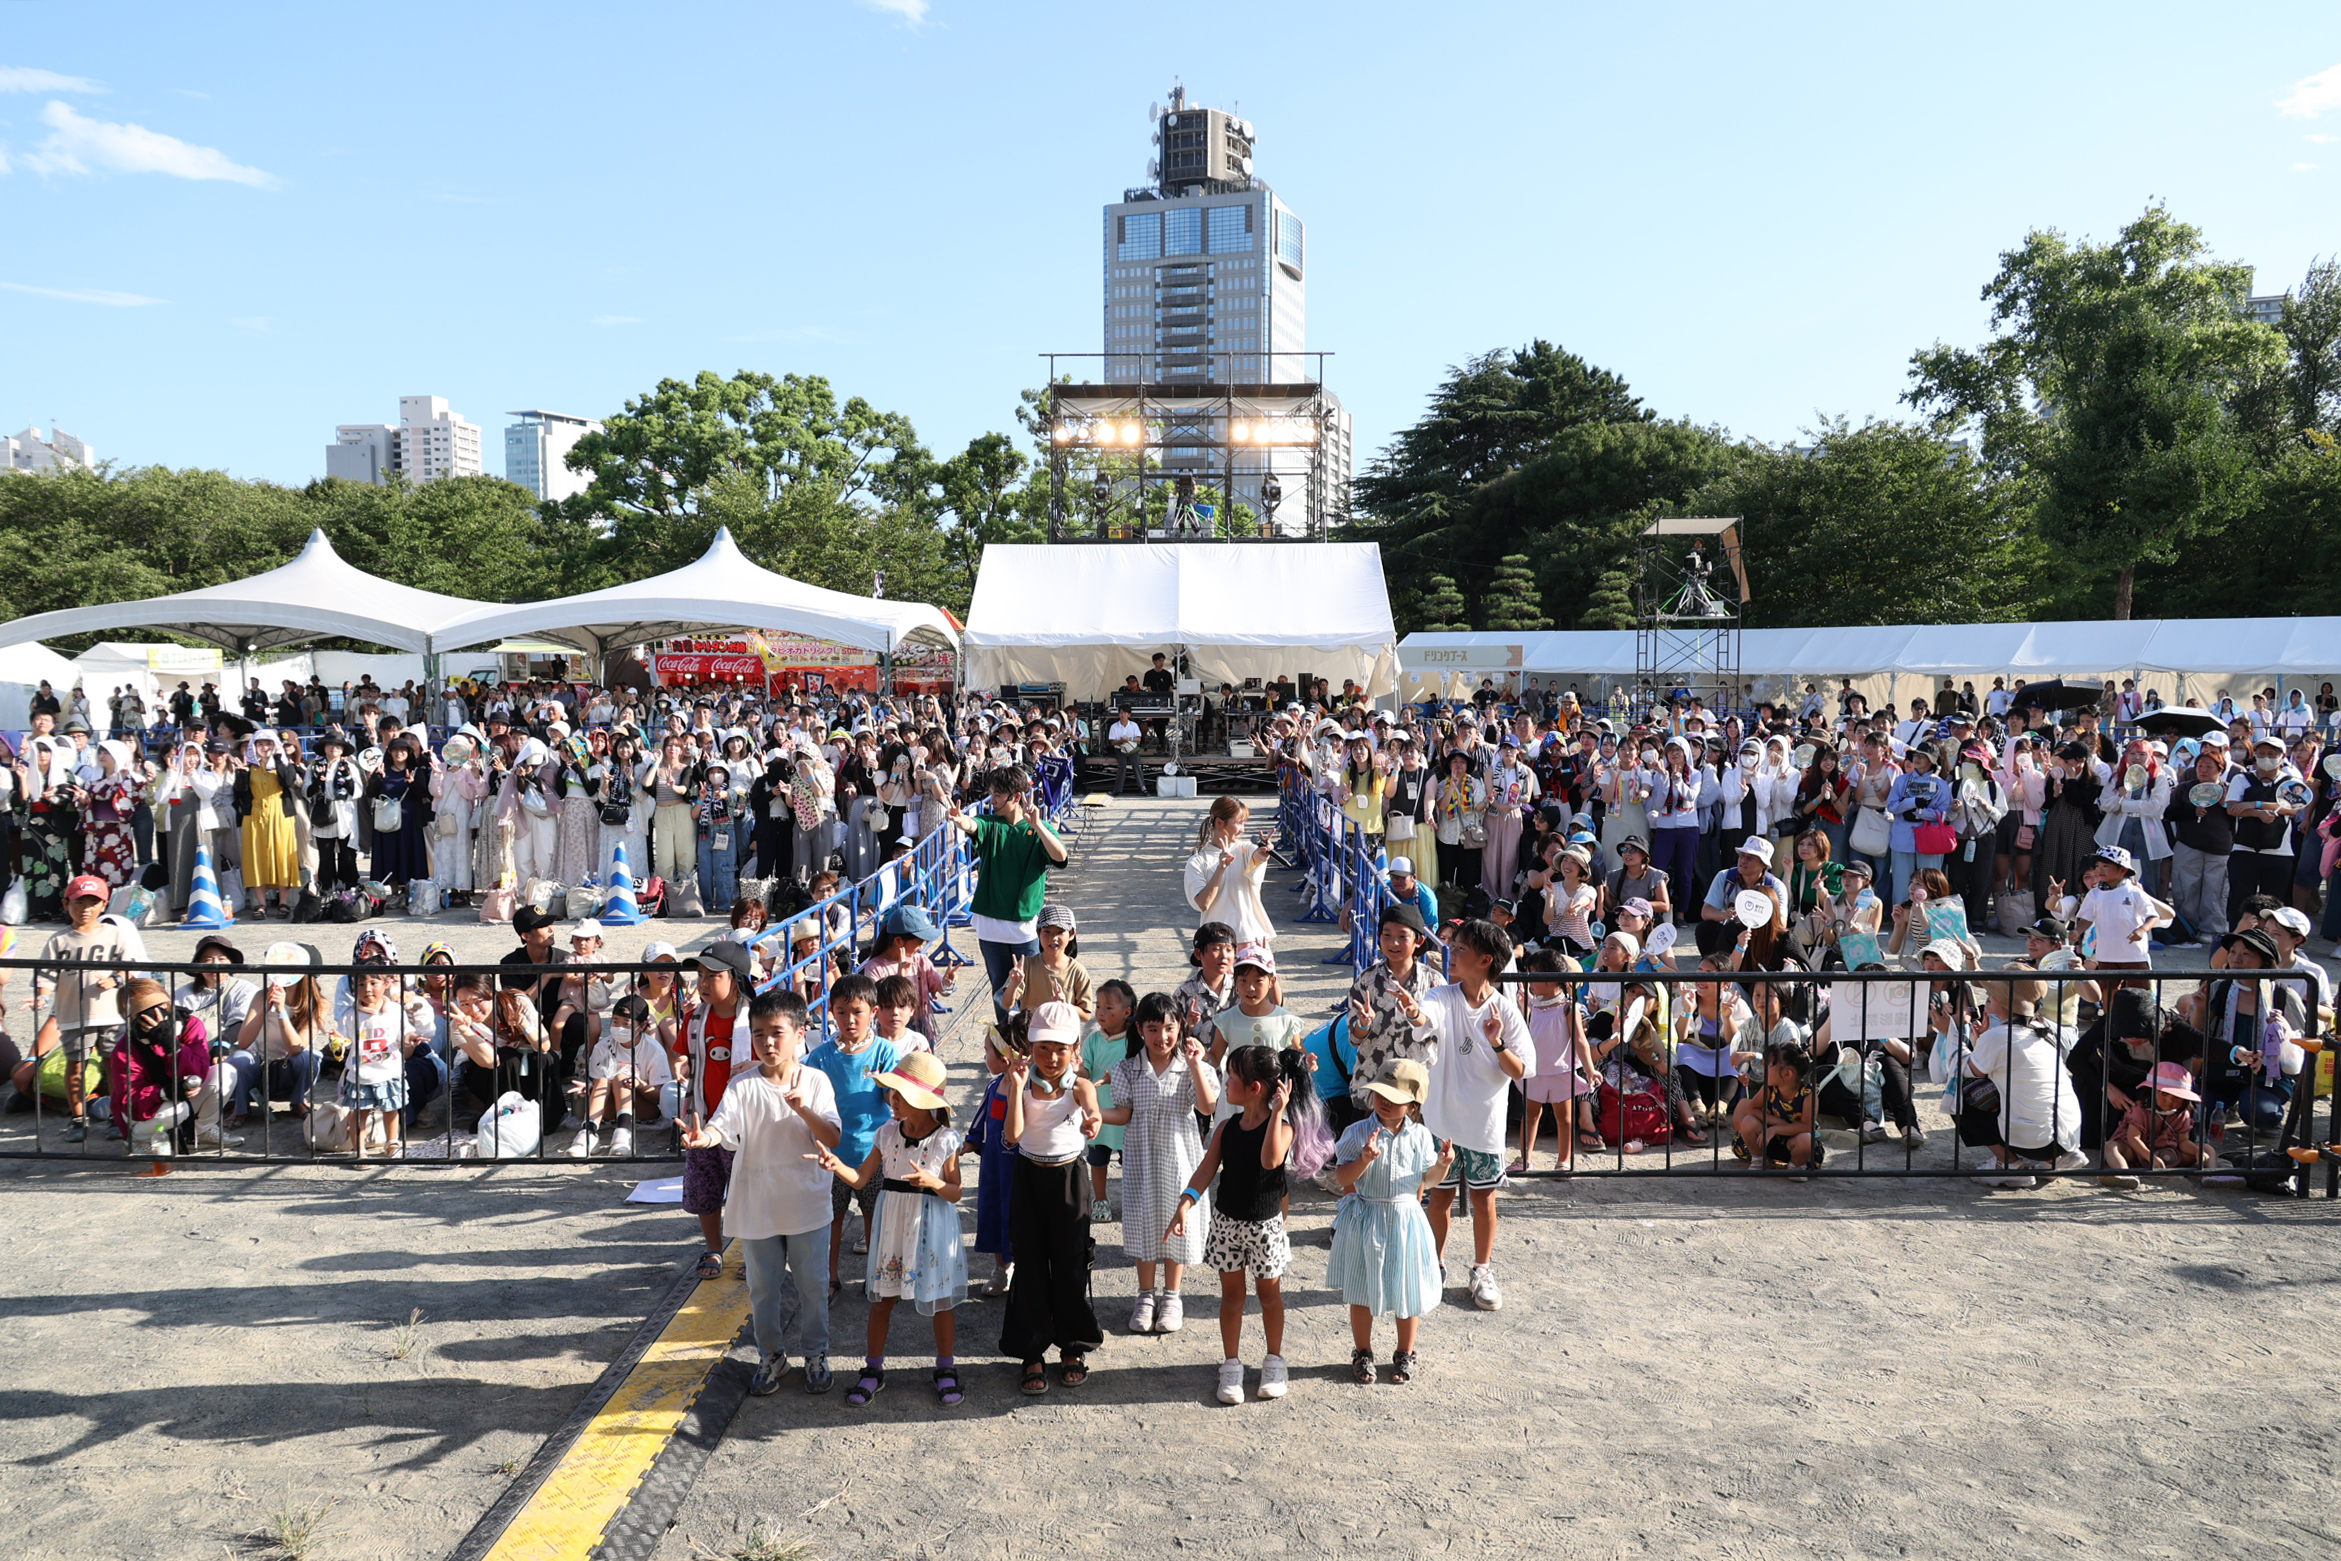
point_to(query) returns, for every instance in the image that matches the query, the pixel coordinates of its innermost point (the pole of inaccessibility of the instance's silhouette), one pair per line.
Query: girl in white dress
(1156, 1095)
(915, 1252)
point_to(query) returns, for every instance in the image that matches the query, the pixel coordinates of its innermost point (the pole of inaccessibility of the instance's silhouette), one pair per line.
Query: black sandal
(1036, 1378)
(947, 1385)
(710, 1265)
(1403, 1366)
(1074, 1369)
(1361, 1367)
(865, 1388)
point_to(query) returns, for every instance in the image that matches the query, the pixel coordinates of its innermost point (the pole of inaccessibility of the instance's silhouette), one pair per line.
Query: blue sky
(223, 230)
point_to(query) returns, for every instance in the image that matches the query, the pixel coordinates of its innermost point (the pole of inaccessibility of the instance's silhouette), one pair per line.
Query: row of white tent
(2291, 648)
(320, 595)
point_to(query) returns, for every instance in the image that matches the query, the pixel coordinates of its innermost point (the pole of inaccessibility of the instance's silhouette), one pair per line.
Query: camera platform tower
(1686, 615)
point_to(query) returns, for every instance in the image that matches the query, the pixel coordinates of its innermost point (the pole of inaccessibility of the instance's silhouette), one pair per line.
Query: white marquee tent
(23, 667)
(2267, 649)
(316, 596)
(719, 590)
(1087, 615)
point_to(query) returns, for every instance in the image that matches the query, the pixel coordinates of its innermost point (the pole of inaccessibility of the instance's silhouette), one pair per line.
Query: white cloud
(78, 144)
(2321, 140)
(2312, 95)
(2304, 167)
(617, 319)
(912, 11)
(23, 78)
(85, 295)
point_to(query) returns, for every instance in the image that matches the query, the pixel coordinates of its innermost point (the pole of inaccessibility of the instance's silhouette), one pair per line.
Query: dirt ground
(1721, 1368)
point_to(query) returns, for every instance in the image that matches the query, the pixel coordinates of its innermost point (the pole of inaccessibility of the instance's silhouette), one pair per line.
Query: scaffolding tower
(1686, 618)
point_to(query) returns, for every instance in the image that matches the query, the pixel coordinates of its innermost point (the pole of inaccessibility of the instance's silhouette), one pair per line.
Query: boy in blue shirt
(850, 1059)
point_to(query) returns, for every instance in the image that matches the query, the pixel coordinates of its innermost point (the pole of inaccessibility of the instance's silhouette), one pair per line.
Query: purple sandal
(947, 1384)
(865, 1387)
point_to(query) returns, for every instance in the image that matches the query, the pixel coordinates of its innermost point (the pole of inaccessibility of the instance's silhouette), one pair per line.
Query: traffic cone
(205, 908)
(619, 909)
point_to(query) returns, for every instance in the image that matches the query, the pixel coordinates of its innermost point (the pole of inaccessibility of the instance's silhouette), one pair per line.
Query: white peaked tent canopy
(720, 590)
(316, 596)
(1087, 615)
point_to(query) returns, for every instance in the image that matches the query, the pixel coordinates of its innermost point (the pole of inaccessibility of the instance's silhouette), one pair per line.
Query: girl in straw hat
(915, 1253)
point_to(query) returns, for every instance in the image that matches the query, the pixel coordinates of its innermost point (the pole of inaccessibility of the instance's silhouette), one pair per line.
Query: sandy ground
(1725, 1368)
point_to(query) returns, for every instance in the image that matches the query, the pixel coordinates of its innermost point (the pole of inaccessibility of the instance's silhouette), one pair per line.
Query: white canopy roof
(720, 590)
(2271, 647)
(1088, 614)
(316, 596)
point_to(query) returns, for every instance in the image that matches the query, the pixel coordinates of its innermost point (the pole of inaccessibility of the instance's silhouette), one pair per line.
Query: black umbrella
(2179, 723)
(2059, 696)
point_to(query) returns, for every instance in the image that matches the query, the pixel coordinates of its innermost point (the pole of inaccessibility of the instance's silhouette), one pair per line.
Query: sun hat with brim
(215, 941)
(2115, 856)
(917, 1078)
(1402, 1080)
(1949, 952)
(2172, 1078)
(2256, 941)
(1757, 846)
(2022, 996)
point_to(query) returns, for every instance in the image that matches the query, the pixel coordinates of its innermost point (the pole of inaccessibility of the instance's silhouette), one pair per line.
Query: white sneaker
(2072, 1160)
(1170, 1313)
(1484, 1293)
(1231, 1381)
(620, 1141)
(214, 1138)
(582, 1144)
(1101, 1212)
(1273, 1383)
(1142, 1315)
(2010, 1182)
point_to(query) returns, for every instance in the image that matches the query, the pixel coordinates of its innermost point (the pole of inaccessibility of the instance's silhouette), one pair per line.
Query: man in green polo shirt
(1014, 851)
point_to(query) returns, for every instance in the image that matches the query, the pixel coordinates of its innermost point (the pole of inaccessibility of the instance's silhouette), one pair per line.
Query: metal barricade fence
(1673, 1071)
(472, 1066)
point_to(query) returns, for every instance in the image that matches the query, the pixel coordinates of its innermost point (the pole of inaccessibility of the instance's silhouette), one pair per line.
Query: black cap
(1406, 914)
(726, 955)
(2050, 928)
(529, 919)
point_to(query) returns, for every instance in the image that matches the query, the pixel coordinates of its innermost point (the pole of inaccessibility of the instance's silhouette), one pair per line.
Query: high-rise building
(536, 448)
(2267, 308)
(1206, 286)
(29, 452)
(1205, 269)
(428, 442)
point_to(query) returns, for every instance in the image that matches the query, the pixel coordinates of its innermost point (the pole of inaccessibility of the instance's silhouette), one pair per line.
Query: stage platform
(1214, 773)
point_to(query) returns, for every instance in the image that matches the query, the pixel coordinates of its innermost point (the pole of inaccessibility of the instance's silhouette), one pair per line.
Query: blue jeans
(802, 1307)
(426, 1076)
(1901, 868)
(1840, 845)
(999, 959)
(1676, 853)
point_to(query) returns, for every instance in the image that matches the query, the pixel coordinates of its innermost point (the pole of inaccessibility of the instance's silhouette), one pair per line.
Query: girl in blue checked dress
(914, 1235)
(1384, 1258)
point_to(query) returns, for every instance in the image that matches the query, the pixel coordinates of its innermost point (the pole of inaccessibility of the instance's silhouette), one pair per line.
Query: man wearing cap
(1719, 914)
(1407, 889)
(82, 1017)
(2262, 861)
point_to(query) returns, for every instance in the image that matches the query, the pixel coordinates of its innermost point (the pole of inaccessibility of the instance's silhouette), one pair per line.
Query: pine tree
(1611, 604)
(1512, 600)
(1442, 608)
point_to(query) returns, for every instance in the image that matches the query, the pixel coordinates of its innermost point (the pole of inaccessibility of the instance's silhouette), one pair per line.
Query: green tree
(1610, 604)
(1882, 523)
(984, 496)
(1440, 609)
(1513, 599)
(2110, 381)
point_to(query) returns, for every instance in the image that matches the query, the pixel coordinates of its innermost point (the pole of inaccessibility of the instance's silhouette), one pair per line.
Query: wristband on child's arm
(1189, 1195)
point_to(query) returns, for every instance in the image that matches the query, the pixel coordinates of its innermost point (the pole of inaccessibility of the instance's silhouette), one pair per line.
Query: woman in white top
(1224, 874)
(186, 795)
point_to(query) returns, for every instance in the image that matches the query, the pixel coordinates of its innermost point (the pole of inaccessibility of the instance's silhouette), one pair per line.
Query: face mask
(2268, 764)
(1747, 761)
(1973, 772)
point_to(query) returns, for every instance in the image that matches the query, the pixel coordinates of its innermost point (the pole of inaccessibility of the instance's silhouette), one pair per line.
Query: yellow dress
(272, 852)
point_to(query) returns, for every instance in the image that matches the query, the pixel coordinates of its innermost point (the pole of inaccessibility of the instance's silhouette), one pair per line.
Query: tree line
(2126, 443)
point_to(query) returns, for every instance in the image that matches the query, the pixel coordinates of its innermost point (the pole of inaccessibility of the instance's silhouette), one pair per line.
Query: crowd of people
(486, 787)
(1536, 869)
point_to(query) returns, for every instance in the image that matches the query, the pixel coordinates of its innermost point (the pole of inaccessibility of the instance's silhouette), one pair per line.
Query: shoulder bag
(1873, 832)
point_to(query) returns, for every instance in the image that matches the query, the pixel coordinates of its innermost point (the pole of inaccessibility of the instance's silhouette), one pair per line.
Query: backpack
(1641, 1115)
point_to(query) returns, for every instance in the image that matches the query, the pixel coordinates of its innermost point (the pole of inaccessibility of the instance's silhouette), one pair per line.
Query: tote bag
(1872, 833)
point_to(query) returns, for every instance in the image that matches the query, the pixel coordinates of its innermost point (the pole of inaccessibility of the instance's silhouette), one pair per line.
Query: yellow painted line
(599, 1474)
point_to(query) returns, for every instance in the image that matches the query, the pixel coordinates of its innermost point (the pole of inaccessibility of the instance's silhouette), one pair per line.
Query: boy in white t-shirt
(1483, 1047)
(624, 1076)
(2123, 914)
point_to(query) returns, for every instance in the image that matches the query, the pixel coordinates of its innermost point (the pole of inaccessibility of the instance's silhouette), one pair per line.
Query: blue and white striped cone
(205, 908)
(619, 909)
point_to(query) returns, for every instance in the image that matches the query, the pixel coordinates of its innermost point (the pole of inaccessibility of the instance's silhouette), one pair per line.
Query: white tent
(1088, 614)
(316, 596)
(720, 590)
(23, 667)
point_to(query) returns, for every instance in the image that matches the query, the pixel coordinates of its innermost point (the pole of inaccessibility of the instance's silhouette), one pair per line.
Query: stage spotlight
(1238, 433)
(1063, 433)
(1132, 433)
